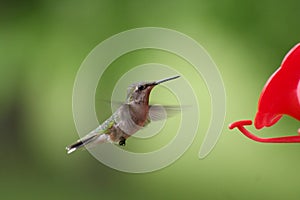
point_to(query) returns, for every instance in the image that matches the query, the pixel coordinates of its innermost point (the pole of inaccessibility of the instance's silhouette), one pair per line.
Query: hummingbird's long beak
(164, 80)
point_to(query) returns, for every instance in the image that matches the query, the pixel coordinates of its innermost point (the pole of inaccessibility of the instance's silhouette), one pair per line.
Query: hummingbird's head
(139, 92)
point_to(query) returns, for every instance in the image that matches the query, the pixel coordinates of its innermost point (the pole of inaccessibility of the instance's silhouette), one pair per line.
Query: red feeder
(280, 95)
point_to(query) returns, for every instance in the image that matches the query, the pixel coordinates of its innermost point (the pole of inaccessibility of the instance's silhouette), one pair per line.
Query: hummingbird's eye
(142, 87)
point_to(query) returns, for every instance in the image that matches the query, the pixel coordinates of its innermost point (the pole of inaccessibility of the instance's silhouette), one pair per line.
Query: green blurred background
(43, 43)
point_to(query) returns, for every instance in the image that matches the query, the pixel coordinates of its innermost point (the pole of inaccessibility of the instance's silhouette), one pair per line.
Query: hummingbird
(129, 118)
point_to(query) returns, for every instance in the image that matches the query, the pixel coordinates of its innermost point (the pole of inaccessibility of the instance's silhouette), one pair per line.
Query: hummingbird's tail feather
(95, 138)
(79, 143)
(74, 147)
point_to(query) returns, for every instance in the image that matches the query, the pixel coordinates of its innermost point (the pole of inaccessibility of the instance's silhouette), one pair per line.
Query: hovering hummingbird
(129, 118)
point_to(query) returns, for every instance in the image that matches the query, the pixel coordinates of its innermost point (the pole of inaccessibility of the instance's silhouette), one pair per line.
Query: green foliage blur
(43, 43)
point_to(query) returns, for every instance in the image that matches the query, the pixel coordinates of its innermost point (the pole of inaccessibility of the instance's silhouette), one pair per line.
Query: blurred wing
(124, 121)
(159, 112)
(114, 104)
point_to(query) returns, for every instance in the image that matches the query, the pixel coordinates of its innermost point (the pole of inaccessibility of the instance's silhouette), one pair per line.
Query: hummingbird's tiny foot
(122, 141)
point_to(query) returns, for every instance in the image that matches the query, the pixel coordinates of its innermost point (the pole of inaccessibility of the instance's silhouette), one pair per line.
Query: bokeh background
(43, 43)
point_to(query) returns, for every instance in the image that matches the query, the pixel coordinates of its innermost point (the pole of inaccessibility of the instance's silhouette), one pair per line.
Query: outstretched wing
(124, 120)
(160, 112)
